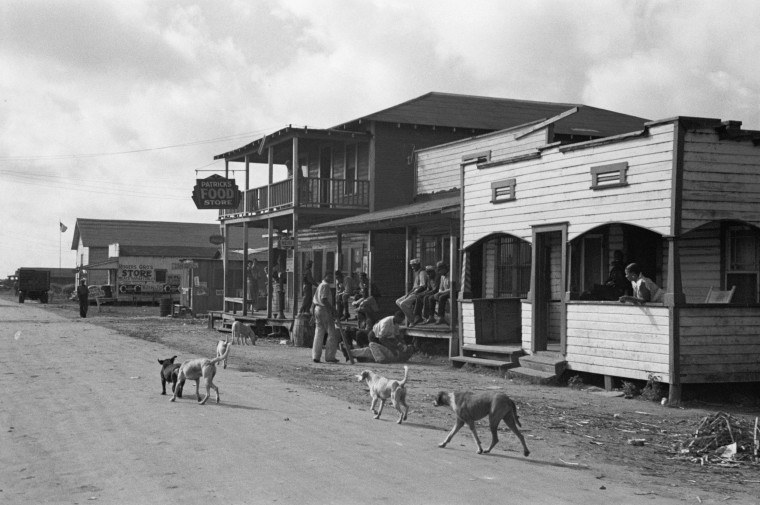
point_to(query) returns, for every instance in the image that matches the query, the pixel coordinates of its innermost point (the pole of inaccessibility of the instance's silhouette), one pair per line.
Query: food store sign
(216, 192)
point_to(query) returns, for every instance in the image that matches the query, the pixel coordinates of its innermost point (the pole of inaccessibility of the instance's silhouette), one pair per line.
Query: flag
(63, 227)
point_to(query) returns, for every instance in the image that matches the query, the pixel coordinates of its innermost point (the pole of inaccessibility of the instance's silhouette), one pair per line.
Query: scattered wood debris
(724, 440)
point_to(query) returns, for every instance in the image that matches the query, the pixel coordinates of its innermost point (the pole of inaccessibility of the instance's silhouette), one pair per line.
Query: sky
(111, 109)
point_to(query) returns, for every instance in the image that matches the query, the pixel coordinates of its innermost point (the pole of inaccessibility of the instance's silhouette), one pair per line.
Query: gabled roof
(488, 113)
(450, 110)
(104, 232)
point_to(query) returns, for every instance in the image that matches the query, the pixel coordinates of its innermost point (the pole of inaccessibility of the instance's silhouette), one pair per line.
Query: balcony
(314, 193)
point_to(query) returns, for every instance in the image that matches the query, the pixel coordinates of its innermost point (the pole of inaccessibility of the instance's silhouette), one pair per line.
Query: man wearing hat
(407, 302)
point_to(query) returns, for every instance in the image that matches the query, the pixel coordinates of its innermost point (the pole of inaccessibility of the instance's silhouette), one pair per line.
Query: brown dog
(194, 369)
(168, 373)
(470, 407)
(380, 389)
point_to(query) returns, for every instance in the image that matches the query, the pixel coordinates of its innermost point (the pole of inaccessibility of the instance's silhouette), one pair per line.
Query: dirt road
(83, 422)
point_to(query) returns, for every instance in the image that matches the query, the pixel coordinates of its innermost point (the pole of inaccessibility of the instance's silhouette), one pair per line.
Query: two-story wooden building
(354, 200)
(541, 220)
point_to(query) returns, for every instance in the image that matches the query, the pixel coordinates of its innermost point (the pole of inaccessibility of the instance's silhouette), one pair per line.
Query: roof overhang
(256, 150)
(397, 217)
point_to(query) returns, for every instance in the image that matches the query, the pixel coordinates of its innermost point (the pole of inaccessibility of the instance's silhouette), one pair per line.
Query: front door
(548, 286)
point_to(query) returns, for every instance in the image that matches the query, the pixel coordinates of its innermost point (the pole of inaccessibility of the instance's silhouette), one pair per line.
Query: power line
(136, 151)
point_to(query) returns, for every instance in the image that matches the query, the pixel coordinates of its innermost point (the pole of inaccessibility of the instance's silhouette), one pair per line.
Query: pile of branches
(724, 440)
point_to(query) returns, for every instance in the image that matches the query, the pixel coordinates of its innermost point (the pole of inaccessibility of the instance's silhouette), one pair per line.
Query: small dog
(470, 407)
(380, 389)
(196, 368)
(241, 333)
(169, 371)
(222, 349)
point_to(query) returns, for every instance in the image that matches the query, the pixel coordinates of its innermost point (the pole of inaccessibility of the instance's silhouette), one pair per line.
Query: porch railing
(314, 192)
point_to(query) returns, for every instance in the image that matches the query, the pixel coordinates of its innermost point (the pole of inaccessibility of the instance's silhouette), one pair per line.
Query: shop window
(512, 267)
(743, 268)
(160, 275)
(503, 191)
(614, 175)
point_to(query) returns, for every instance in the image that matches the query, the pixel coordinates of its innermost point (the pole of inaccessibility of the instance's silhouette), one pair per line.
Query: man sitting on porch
(367, 309)
(644, 288)
(407, 302)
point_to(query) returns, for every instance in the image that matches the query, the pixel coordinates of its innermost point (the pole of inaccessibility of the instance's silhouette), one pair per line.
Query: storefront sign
(216, 192)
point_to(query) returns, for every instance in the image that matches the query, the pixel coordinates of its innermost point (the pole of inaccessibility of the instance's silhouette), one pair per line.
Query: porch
(313, 193)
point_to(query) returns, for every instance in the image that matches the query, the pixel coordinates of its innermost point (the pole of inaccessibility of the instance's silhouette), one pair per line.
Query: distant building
(143, 260)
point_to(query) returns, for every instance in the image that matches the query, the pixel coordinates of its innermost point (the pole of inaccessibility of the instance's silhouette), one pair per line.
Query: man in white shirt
(644, 288)
(324, 314)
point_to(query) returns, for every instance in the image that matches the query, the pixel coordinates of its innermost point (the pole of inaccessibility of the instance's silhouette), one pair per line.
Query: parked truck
(33, 284)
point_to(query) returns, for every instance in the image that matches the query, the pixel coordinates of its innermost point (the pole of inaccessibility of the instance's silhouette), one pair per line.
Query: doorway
(548, 286)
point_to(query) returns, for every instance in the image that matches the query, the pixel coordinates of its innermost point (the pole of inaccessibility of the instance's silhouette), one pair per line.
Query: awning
(397, 217)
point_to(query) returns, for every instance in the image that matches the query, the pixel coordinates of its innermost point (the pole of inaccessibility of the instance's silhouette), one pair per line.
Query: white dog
(380, 389)
(222, 349)
(241, 333)
(194, 369)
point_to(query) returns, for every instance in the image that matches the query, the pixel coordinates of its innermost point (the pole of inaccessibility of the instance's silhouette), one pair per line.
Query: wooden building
(356, 201)
(541, 219)
(141, 261)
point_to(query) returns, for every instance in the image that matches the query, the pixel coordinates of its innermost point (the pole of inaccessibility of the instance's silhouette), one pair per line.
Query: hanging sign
(216, 192)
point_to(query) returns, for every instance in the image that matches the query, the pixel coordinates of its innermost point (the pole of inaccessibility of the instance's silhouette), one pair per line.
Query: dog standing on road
(169, 371)
(470, 407)
(241, 333)
(223, 348)
(380, 389)
(198, 368)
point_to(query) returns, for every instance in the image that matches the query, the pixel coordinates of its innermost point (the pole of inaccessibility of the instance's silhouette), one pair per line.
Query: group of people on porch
(425, 302)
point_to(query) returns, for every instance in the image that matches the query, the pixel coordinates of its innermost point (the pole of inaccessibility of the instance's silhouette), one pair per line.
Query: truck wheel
(20, 297)
(44, 298)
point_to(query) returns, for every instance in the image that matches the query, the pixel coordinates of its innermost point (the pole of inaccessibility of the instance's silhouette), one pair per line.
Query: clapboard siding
(720, 344)
(619, 340)
(438, 169)
(556, 188)
(700, 254)
(468, 322)
(721, 180)
(526, 312)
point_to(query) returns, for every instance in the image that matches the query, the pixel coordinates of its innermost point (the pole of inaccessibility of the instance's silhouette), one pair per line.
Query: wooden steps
(498, 356)
(543, 367)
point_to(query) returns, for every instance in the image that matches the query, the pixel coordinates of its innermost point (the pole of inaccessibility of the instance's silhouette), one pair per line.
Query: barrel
(303, 332)
(165, 307)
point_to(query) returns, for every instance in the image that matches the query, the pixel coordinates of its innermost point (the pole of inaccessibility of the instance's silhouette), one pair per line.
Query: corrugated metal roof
(488, 113)
(393, 217)
(104, 232)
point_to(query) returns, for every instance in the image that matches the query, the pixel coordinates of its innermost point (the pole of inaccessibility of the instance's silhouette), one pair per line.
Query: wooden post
(296, 204)
(270, 264)
(453, 268)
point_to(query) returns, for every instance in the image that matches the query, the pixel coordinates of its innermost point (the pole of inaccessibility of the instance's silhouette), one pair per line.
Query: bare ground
(586, 426)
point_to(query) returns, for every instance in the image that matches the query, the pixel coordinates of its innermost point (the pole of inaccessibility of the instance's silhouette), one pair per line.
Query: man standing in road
(324, 314)
(84, 298)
